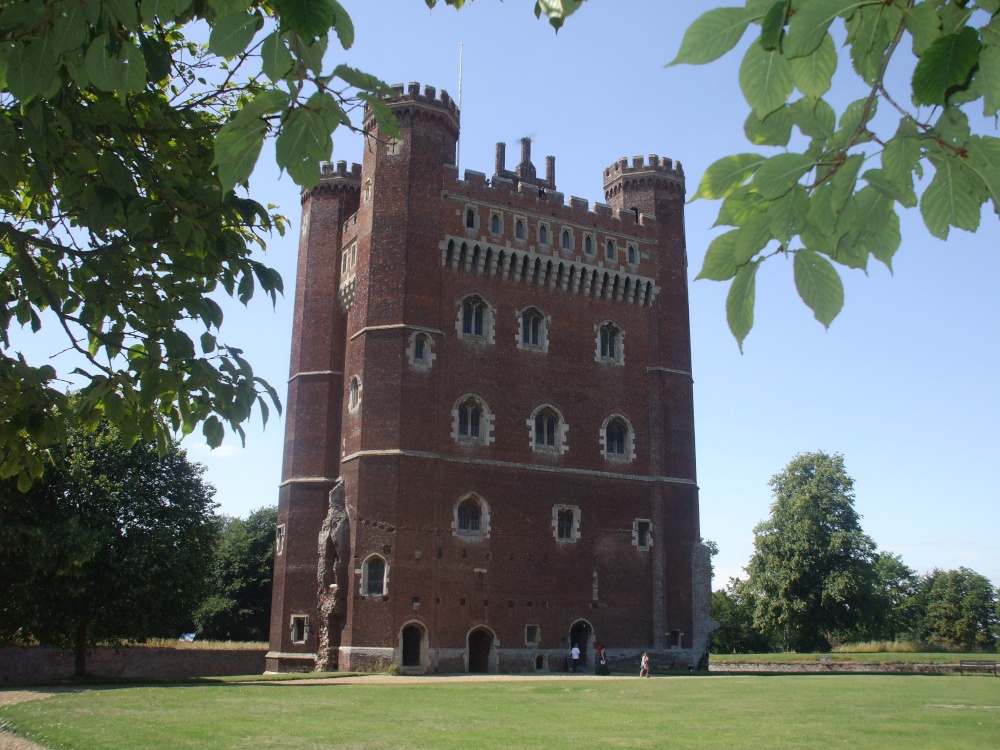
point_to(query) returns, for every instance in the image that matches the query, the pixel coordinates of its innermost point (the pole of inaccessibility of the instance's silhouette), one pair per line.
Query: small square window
(393, 147)
(530, 635)
(642, 534)
(300, 628)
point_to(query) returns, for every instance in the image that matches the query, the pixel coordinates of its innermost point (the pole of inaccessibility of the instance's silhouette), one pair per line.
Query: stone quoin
(489, 450)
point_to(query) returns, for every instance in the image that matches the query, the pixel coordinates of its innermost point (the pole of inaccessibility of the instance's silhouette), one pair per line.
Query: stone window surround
(649, 534)
(354, 389)
(279, 539)
(475, 213)
(486, 420)
(593, 244)
(484, 517)
(524, 222)
(629, 440)
(547, 227)
(543, 331)
(296, 622)
(499, 216)
(566, 230)
(528, 641)
(632, 254)
(562, 429)
(393, 146)
(575, 532)
(613, 257)
(619, 358)
(429, 355)
(363, 573)
(488, 335)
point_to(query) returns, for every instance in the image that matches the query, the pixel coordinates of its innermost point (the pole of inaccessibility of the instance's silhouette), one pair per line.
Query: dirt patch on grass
(9, 741)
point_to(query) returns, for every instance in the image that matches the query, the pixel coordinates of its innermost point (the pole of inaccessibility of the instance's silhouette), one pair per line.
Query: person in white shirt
(575, 656)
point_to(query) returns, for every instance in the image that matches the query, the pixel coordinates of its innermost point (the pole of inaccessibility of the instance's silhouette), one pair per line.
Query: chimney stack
(501, 160)
(550, 171)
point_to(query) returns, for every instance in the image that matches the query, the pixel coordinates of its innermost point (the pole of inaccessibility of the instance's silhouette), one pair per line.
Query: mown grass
(704, 712)
(875, 657)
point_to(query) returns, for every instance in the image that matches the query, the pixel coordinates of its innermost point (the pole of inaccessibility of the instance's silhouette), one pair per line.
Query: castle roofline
(657, 165)
(411, 96)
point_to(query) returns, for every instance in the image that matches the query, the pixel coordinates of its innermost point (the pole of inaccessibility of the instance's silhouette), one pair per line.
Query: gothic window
(614, 438)
(567, 240)
(519, 230)
(496, 225)
(633, 254)
(610, 251)
(373, 578)
(475, 319)
(543, 234)
(421, 350)
(472, 421)
(610, 344)
(566, 523)
(368, 190)
(588, 244)
(533, 330)
(354, 393)
(470, 218)
(279, 540)
(354, 255)
(547, 430)
(472, 516)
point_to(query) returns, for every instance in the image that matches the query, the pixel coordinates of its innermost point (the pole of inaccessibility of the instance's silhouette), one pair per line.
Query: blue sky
(903, 384)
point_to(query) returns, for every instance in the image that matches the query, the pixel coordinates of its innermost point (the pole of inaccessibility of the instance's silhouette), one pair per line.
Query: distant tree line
(119, 542)
(816, 579)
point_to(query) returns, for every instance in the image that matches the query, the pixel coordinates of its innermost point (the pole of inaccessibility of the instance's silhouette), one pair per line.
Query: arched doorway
(582, 634)
(480, 649)
(413, 638)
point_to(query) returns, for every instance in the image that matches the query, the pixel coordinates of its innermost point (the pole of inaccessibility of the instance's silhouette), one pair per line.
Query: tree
(811, 576)
(895, 612)
(824, 198)
(112, 544)
(958, 608)
(238, 607)
(736, 633)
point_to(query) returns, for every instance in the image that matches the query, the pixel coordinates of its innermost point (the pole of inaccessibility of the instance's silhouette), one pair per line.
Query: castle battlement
(661, 165)
(554, 205)
(331, 171)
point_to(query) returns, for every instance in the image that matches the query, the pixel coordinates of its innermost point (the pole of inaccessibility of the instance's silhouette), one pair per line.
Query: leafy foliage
(830, 197)
(113, 543)
(238, 607)
(812, 573)
(737, 633)
(959, 608)
(122, 144)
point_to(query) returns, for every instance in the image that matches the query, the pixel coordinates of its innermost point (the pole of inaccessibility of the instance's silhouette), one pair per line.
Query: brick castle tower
(489, 449)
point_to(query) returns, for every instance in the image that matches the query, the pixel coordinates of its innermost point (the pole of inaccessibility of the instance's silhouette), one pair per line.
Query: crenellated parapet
(411, 100)
(536, 200)
(336, 178)
(654, 171)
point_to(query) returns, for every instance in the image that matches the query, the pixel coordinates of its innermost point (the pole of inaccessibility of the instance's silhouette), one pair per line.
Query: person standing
(597, 658)
(644, 665)
(574, 654)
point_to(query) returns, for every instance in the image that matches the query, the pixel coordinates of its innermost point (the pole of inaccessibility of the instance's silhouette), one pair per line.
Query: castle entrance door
(413, 637)
(581, 634)
(480, 646)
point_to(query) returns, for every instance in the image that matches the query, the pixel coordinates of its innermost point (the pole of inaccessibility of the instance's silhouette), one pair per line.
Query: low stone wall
(831, 668)
(35, 664)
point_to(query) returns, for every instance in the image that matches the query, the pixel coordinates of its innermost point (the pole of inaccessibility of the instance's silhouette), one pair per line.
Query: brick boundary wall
(36, 664)
(833, 667)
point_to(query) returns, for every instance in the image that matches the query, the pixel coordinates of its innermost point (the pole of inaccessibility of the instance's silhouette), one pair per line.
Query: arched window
(543, 234)
(470, 218)
(473, 316)
(354, 393)
(609, 250)
(532, 329)
(588, 244)
(566, 523)
(471, 517)
(373, 578)
(495, 224)
(420, 347)
(519, 232)
(633, 254)
(610, 344)
(567, 240)
(471, 420)
(618, 439)
(547, 430)
(420, 350)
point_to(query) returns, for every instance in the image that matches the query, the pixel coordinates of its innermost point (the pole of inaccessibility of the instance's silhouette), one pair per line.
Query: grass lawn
(820, 711)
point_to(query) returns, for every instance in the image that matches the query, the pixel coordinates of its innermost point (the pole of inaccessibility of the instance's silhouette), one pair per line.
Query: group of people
(601, 661)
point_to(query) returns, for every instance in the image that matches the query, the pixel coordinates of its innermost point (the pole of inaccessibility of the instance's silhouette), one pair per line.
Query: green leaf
(303, 143)
(739, 206)
(808, 25)
(740, 302)
(135, 67)
(813, 73)
(843, 180)
(213, 431)
(924, 25)
(308, 18)
(30, 69)
(157, 56)
(896, 190)
(236, 152)
(726, 174)
(106, 72)
(814, 119)
(951, 198)
(712, 35)
(885, 243)
(819, 285)
(311, 54)
(276, 60)
(361, 80)
(765, 79)
(70, 28)
(384, 117)
(989, 74)
(232, 34)
(787, 215)
(342, 24)
(946, 63)
(778, 175)
(984, 160)
(869, 36)
(721, 262)
(556, 10)
(773, 130)
(773, 24)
